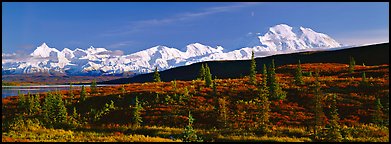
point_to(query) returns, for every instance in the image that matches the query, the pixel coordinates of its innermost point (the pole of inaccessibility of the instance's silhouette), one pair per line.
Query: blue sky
(131, 27)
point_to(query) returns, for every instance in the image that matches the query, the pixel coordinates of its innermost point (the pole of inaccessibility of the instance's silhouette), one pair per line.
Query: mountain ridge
(376, 54)
(100, 61)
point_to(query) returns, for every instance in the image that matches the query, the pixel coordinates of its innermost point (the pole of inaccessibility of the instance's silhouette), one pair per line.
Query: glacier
(279, 39)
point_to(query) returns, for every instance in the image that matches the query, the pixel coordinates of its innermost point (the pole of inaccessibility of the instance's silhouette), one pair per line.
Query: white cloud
(121, 44)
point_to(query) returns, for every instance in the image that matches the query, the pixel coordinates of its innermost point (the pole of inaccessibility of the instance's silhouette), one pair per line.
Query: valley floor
(166, 107)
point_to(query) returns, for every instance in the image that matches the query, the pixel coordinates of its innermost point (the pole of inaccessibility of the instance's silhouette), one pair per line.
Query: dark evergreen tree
(318, 110)
(21, 102)
(29, 104)
(378, 113)
(352, 63)
(105, 110)
(334, 132)
(174, 87)
(123, 91)
(208, 76)
(37, 104)
(137, 119)
(75, 115)
(156, 76)
(71, 95)
(264, 108)
(264, 77)
(189, 134)
(61, 115)
(74, 119)
(201, 74)
(54, 111)
(47, 109)
(33, 105)
(275, 91)
(214, 87)
(222, 118)
(270, 74)
(83, 94)
(94, 87)
(186, 92)
(387, 110)
(253, 72)
(299, 75)
(364, 80)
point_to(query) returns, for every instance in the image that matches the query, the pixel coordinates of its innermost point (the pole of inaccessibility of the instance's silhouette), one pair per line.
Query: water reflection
(13, 90)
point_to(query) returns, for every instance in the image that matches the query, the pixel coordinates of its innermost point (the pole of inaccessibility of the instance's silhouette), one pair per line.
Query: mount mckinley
(100, 61)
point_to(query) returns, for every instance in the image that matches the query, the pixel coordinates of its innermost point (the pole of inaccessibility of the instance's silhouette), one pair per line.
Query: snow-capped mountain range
(100, 61)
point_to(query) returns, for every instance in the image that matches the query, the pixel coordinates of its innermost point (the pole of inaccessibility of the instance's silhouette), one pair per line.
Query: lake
(13, 90)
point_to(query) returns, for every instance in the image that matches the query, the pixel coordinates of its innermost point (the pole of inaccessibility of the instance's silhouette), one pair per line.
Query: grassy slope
(355, 104)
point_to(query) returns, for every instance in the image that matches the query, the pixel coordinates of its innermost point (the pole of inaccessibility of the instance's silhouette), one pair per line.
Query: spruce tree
(352, 63)
(123, 91)
(272, 79)
(21, 102)
(74, 119)
(222, 118)
(264, 77)
(318, 110)
(30, 104)
(208, 76)
(47, 109)
(61, 115)
(156, 76)
(275, 91)
(299, 75)
(186, 92)
(104, 111)
(37, 104)
(93, 87)
(334, 133)
(54, 110)
(174, 87)
(264, 108)
(364, 80)
(71, 95)
(75, 115)
(137, 119)
(189, 134)
(378, 113)
(214, 87)
(253, 72)
(83, 95)
(201, 74)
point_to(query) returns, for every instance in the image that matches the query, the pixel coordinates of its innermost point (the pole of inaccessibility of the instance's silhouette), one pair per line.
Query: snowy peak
(93, 50)
(315, 39)
(283, 37)
(44, 51)
(197, 49)
(66, 50)
(282, 31)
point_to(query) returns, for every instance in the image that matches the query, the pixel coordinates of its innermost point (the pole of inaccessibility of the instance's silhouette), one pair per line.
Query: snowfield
(100, 61)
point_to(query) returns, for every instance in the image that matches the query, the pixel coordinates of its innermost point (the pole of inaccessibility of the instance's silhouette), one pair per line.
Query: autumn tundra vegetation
(303, 102)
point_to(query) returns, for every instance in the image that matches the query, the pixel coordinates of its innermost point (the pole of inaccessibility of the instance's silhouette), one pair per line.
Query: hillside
(370, 55)
(166, 106)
